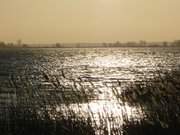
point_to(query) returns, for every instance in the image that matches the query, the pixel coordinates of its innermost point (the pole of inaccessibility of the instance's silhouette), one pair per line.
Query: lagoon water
(108, 87)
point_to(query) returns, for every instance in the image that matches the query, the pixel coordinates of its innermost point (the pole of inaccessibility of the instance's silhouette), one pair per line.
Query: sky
(50, 21)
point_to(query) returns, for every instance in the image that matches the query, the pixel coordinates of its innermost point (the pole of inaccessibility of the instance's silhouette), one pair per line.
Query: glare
(113, 61)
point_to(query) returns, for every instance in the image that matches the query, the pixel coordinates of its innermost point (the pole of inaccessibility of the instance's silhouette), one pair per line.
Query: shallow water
(93, 83)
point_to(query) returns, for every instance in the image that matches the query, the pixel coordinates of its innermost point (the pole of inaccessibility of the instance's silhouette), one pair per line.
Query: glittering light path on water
(105, 88)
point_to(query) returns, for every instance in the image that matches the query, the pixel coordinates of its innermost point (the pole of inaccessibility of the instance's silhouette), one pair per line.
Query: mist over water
(109, 88)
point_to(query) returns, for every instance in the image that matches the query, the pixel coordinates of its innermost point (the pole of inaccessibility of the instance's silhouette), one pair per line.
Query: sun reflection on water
(106, 109)
(113, 61)
(93, 84)
(105, 113)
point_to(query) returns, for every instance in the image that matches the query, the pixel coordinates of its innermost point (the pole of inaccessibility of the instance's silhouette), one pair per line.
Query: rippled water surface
(107, 87)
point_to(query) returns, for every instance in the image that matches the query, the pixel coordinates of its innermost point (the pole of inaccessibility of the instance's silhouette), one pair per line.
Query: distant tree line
(6, 45)
(12, 45)
(141, 43)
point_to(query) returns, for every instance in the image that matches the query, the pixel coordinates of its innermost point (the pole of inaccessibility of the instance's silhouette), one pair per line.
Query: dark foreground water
(114, 91)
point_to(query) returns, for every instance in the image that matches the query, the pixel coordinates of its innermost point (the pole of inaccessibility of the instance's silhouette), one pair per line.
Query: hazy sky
(47, 21)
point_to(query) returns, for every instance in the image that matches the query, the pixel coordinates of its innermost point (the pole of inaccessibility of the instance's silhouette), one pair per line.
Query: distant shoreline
(117, 44)
(95, 47)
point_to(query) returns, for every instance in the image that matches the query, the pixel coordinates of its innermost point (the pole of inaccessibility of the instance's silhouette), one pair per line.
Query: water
(106, 87)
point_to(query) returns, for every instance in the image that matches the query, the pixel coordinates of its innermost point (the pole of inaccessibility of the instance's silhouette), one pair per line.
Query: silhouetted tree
(19, 42)
(176, 43)
(2, 44)
(165, 43)
(10, 45)
(142, 43)
(58, 45)
(25, 46)
(110, 45)
(117, 44)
